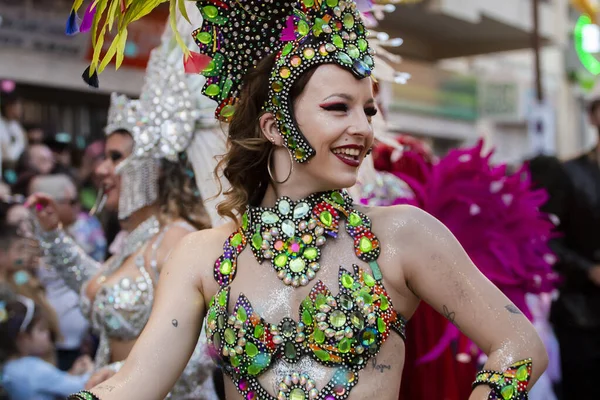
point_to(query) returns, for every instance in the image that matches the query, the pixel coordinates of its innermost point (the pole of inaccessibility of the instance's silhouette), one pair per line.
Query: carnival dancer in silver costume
(154, 144)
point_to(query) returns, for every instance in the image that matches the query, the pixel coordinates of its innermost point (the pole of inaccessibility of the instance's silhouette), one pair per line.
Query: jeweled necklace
(132, 243)
(292, 233)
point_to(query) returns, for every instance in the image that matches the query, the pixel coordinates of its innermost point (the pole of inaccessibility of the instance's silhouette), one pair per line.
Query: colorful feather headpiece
(236, 35)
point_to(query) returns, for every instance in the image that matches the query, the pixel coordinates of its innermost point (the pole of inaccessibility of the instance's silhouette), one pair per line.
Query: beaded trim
(291, 234)
(509, 385)
(83, 395)
(342, 331)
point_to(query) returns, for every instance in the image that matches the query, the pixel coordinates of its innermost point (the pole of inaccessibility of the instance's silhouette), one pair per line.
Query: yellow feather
(121, 48)
(113, 12)
(77, 5)
(173, 22)
(109, 54)
(183, 10)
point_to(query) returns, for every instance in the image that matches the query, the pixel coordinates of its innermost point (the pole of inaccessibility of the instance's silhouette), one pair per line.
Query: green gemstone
(346, 302)
(269, 217)
(226, 267)
(319, 336)
(310, 253)
(245, 221)
(385, 304)
(227, 88)
(369, 280)
(251, 349)
(287, 49)
(366, 297)
(365, 245)
(213, 90)
(275, 101)
(344, 345)
(297, 265)
(348, 21)
(368, 60)
(204, 37)
(223, 298)
(368, 337)
(307, 318)
(210, 11)
(298, 394)
(254, 369)
(303, 28)
(344, 58)
(221, 322)
(347, 281)
(381, 326)
(337, 41)
(235, 361)
(337, 319)
(281, 260)
(259, 331)
(212, 315)
(353, 51)
(362, 44)
(322, 355)
(277, 86)
(217, 340)
(210, 68)
(309, 3)
(307, 303)
(357, 320)
(236, 240)
(332, 3)
(257, 240)
(326, 218)
(228, 111)
(355, 220)
(508, 392)
(290, 350)
(229, 336)
(320, 300)
(522, 373)
(241, 314)
(338, 198)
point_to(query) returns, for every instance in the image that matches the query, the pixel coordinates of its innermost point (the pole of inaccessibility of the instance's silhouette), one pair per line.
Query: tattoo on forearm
(513, 309)
(107, 388)
(175, 323)
(450, 316)
(380, 367)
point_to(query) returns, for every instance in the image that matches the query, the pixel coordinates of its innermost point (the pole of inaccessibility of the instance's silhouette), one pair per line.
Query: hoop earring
(271, 172)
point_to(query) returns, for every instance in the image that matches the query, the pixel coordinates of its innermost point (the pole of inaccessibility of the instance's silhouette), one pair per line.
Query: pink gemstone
(279, 245)
(243, 384)
(251, 396)
(330, 397)
(295, 247)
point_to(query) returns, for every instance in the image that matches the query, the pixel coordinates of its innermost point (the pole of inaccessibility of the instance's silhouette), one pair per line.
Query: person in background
(88, 234)
(24, 339)
(574, 189)
(36, 134)
(13, 140)
(63, 149)
(90, 182)
(36, 158)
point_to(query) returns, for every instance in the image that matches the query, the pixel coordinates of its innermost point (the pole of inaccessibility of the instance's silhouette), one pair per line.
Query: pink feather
(288, 34)
(88, 18)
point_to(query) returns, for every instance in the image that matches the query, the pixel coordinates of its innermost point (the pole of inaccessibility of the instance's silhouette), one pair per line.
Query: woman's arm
(438, 271)
(168, 340)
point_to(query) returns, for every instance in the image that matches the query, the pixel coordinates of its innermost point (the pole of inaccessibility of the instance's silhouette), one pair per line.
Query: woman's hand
(99, 376)
(45, 211)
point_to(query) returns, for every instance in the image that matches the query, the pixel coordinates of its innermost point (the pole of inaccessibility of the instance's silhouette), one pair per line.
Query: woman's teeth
(347, 152)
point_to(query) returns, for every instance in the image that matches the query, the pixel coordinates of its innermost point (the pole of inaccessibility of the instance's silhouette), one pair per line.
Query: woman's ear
(268, 127)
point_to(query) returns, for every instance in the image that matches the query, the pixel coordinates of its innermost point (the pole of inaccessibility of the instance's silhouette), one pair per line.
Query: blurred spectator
(12, 135)
(92, 158)
(24, 339)
(574, 189)
(36, 134)
(37, 158)
(88, 233)
(62, 147)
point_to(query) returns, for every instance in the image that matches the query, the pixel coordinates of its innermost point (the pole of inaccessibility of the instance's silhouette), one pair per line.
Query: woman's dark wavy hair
(245, 163)
(178, 194)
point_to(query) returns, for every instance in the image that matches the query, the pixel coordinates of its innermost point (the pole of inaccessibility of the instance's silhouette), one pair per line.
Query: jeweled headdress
(237, 34)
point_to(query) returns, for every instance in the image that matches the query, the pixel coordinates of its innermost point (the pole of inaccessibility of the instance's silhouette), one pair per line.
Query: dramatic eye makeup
(114, 155)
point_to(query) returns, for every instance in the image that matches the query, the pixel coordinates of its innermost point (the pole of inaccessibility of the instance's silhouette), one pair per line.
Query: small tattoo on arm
(450, 316)
(513, 309)
(380, 367)
(108, 388)
(175, 323)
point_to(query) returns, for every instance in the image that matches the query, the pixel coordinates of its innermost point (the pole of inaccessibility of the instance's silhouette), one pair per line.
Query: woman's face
(118, 147)
(334, 113)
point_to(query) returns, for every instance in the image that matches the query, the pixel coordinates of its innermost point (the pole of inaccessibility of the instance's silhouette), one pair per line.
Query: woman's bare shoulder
(404, 220)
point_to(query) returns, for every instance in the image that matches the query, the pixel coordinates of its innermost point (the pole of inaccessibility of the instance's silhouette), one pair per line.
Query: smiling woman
(306, 295)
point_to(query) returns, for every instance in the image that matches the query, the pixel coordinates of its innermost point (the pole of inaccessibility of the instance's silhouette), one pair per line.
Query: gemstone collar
(290, 236)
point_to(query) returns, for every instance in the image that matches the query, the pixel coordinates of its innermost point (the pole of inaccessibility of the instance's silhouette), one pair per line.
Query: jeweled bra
(342, 331)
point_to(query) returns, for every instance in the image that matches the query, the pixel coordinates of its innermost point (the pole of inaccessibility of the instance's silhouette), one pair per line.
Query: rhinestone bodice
(341, 331)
